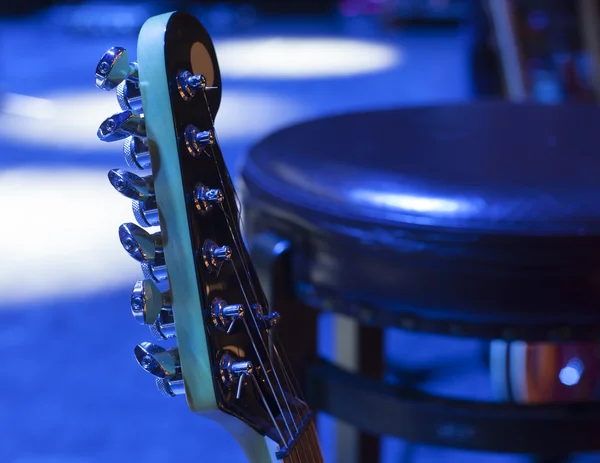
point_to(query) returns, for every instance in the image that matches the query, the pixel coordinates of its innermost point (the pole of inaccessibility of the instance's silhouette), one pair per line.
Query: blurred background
(70, 390)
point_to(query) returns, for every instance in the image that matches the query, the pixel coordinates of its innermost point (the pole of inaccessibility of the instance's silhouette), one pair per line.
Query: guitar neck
(308, 447)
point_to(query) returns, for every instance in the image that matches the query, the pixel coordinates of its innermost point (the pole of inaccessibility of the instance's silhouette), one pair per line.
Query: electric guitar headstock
(200, 288)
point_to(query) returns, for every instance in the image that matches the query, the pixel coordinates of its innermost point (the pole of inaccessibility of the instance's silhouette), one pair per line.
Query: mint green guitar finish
(186, 298)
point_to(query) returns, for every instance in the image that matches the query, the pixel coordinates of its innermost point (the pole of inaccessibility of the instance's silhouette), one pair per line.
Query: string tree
(114, 67)
(271, 320)
(188, 84)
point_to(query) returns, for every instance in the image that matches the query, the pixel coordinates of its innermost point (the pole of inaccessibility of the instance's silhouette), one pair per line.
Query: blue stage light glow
(304, 58)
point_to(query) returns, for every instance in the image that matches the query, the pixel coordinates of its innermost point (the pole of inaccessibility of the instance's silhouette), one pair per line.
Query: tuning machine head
(147, 302)
(113, 68)
(122, 125)
(214, 255)
(158, 361)
(130, 185)
(129, 96)
(139, 244)
(136, 152)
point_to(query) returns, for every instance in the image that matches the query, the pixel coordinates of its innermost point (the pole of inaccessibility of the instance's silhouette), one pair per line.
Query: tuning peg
(214, 255)
(137, 155)
(205, 198)
(131, 185)
(122, 125)
(114, 67)
(164, 326)
(138, 243)
(147, 301)
(129, 96)
(224, 315)
(188, 84)
(233, 372)
(170, 388)
(156, 270)
(158, 361)
(196, 140)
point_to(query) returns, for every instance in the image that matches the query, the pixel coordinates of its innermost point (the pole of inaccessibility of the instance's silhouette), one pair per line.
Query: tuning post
(270, 320)
(139, 244)
(225, 315)
(122, 125)
(214, 255)
(233, 372)
(136, 152)
(205, 198)
(164, 326)
(188, 84)
(148, 302)
(196, 140)
(114, 67)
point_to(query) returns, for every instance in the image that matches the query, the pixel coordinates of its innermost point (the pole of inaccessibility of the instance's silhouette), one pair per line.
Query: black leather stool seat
(479, 220)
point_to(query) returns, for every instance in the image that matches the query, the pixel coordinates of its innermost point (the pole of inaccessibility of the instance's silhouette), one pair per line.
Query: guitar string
(264, 400)
(300, 445)
(301, 441)
(264, 370)
(262, 340)
(235, 239)
(295, 394)
(241, 255)
(287, 378)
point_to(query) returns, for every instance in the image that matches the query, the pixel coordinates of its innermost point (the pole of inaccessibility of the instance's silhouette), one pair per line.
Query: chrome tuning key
(188, 84)
(114, 67)
(139, 244)
(214, 255)
(141, 191)
(131, 185)
(136, 152)
(197, 141)
(205, 198)
(122, 125)
(156, 270)
(147, 302)
(164, 326)
(162, 363)
(233, 371)
(224, 315)
(129, 96)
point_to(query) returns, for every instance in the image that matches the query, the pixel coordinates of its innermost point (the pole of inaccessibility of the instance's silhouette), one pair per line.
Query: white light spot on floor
(70, 120)
(60, 235)
(303, 57)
